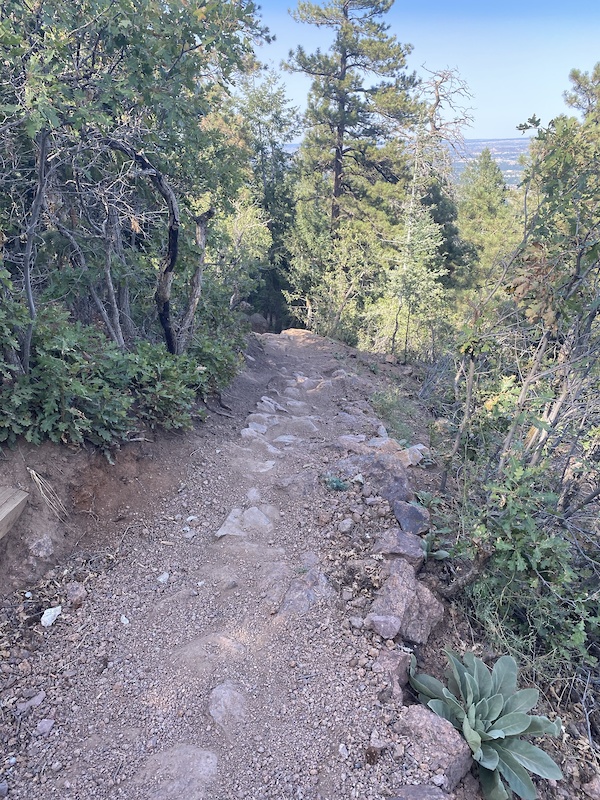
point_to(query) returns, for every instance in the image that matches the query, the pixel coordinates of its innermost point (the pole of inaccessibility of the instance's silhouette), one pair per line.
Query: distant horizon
(523, 138)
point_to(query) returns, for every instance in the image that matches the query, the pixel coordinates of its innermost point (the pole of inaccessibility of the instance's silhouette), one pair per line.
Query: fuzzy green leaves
(492, 715)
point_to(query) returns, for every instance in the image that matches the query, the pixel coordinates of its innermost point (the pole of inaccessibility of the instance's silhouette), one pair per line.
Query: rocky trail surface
(252, 635)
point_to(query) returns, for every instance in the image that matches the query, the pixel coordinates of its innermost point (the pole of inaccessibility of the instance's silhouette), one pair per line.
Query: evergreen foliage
(486, 217)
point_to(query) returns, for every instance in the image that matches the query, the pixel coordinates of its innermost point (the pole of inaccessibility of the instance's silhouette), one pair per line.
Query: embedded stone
(383, 470)
(411, 517)
(395, 663)
(420, 793)
(434, 741)
(386, 625)
(346, 525)
(397, 542)
(403, 596)
(305, 591)
(183, 772)
(226, 705)
(232, 525)
(255, 519)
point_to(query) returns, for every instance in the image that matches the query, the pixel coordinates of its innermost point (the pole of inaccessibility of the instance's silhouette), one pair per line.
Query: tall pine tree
(360, 95)
(352, 166)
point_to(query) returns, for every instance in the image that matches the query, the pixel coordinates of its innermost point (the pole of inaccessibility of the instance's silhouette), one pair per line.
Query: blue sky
(514, 56)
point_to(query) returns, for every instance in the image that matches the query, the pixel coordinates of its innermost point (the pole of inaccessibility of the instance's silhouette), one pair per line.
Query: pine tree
(348, 119)
(486, 218)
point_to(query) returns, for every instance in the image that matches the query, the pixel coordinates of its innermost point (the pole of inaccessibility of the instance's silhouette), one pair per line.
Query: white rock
(256, 426)
(264, 466)
(163, 577)
(34, 702)
(232, 525)
(50, 616)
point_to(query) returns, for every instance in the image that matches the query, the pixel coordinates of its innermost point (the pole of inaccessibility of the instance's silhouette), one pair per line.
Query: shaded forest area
(149, 201)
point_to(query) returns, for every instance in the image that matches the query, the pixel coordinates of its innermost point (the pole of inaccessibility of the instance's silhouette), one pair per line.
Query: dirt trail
(218, 657)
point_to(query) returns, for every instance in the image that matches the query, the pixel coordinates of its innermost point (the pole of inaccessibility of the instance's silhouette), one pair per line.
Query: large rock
(253, 520)
(414, 455)
(435, 742)
(383, 470)
(394, 663)
(592, 789)
(392, 666)
(232, 525)
(262, 420)
(396, 542)
(258, 323)
(273, 582)
(386, 625)
(412, 518)
(403, 596)
(305, 591)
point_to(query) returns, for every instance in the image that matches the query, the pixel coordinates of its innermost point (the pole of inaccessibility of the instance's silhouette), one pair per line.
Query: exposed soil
(187, 665)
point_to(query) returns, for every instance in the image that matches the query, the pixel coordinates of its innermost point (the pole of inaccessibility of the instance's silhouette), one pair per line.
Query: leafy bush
(218, 359)
(82, 387)
(535, 595)
(13, 315)
(492, 716)
(76, 389)
(163, 386)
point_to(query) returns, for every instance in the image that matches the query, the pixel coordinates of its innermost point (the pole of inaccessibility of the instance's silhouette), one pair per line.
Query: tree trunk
(111, 232)
(340, 135)
(396, 326)
(464, 421)
(81, 260)
(578, 350)
(30, 235)
(162, 295)
(187, 324)
(125, 309)
(406, 335)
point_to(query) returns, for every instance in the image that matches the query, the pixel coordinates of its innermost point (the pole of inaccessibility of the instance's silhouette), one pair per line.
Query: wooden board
(12, 503)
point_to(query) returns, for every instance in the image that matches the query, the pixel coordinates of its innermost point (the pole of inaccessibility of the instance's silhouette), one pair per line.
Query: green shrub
(492, 716)
(82, 387)
(13, 315)
(76, 389)
(163, 386)
(535, 596)
(396, 411)
(217, 358)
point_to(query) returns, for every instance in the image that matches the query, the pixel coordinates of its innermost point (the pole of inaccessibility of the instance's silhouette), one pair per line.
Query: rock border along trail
(252, 640)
